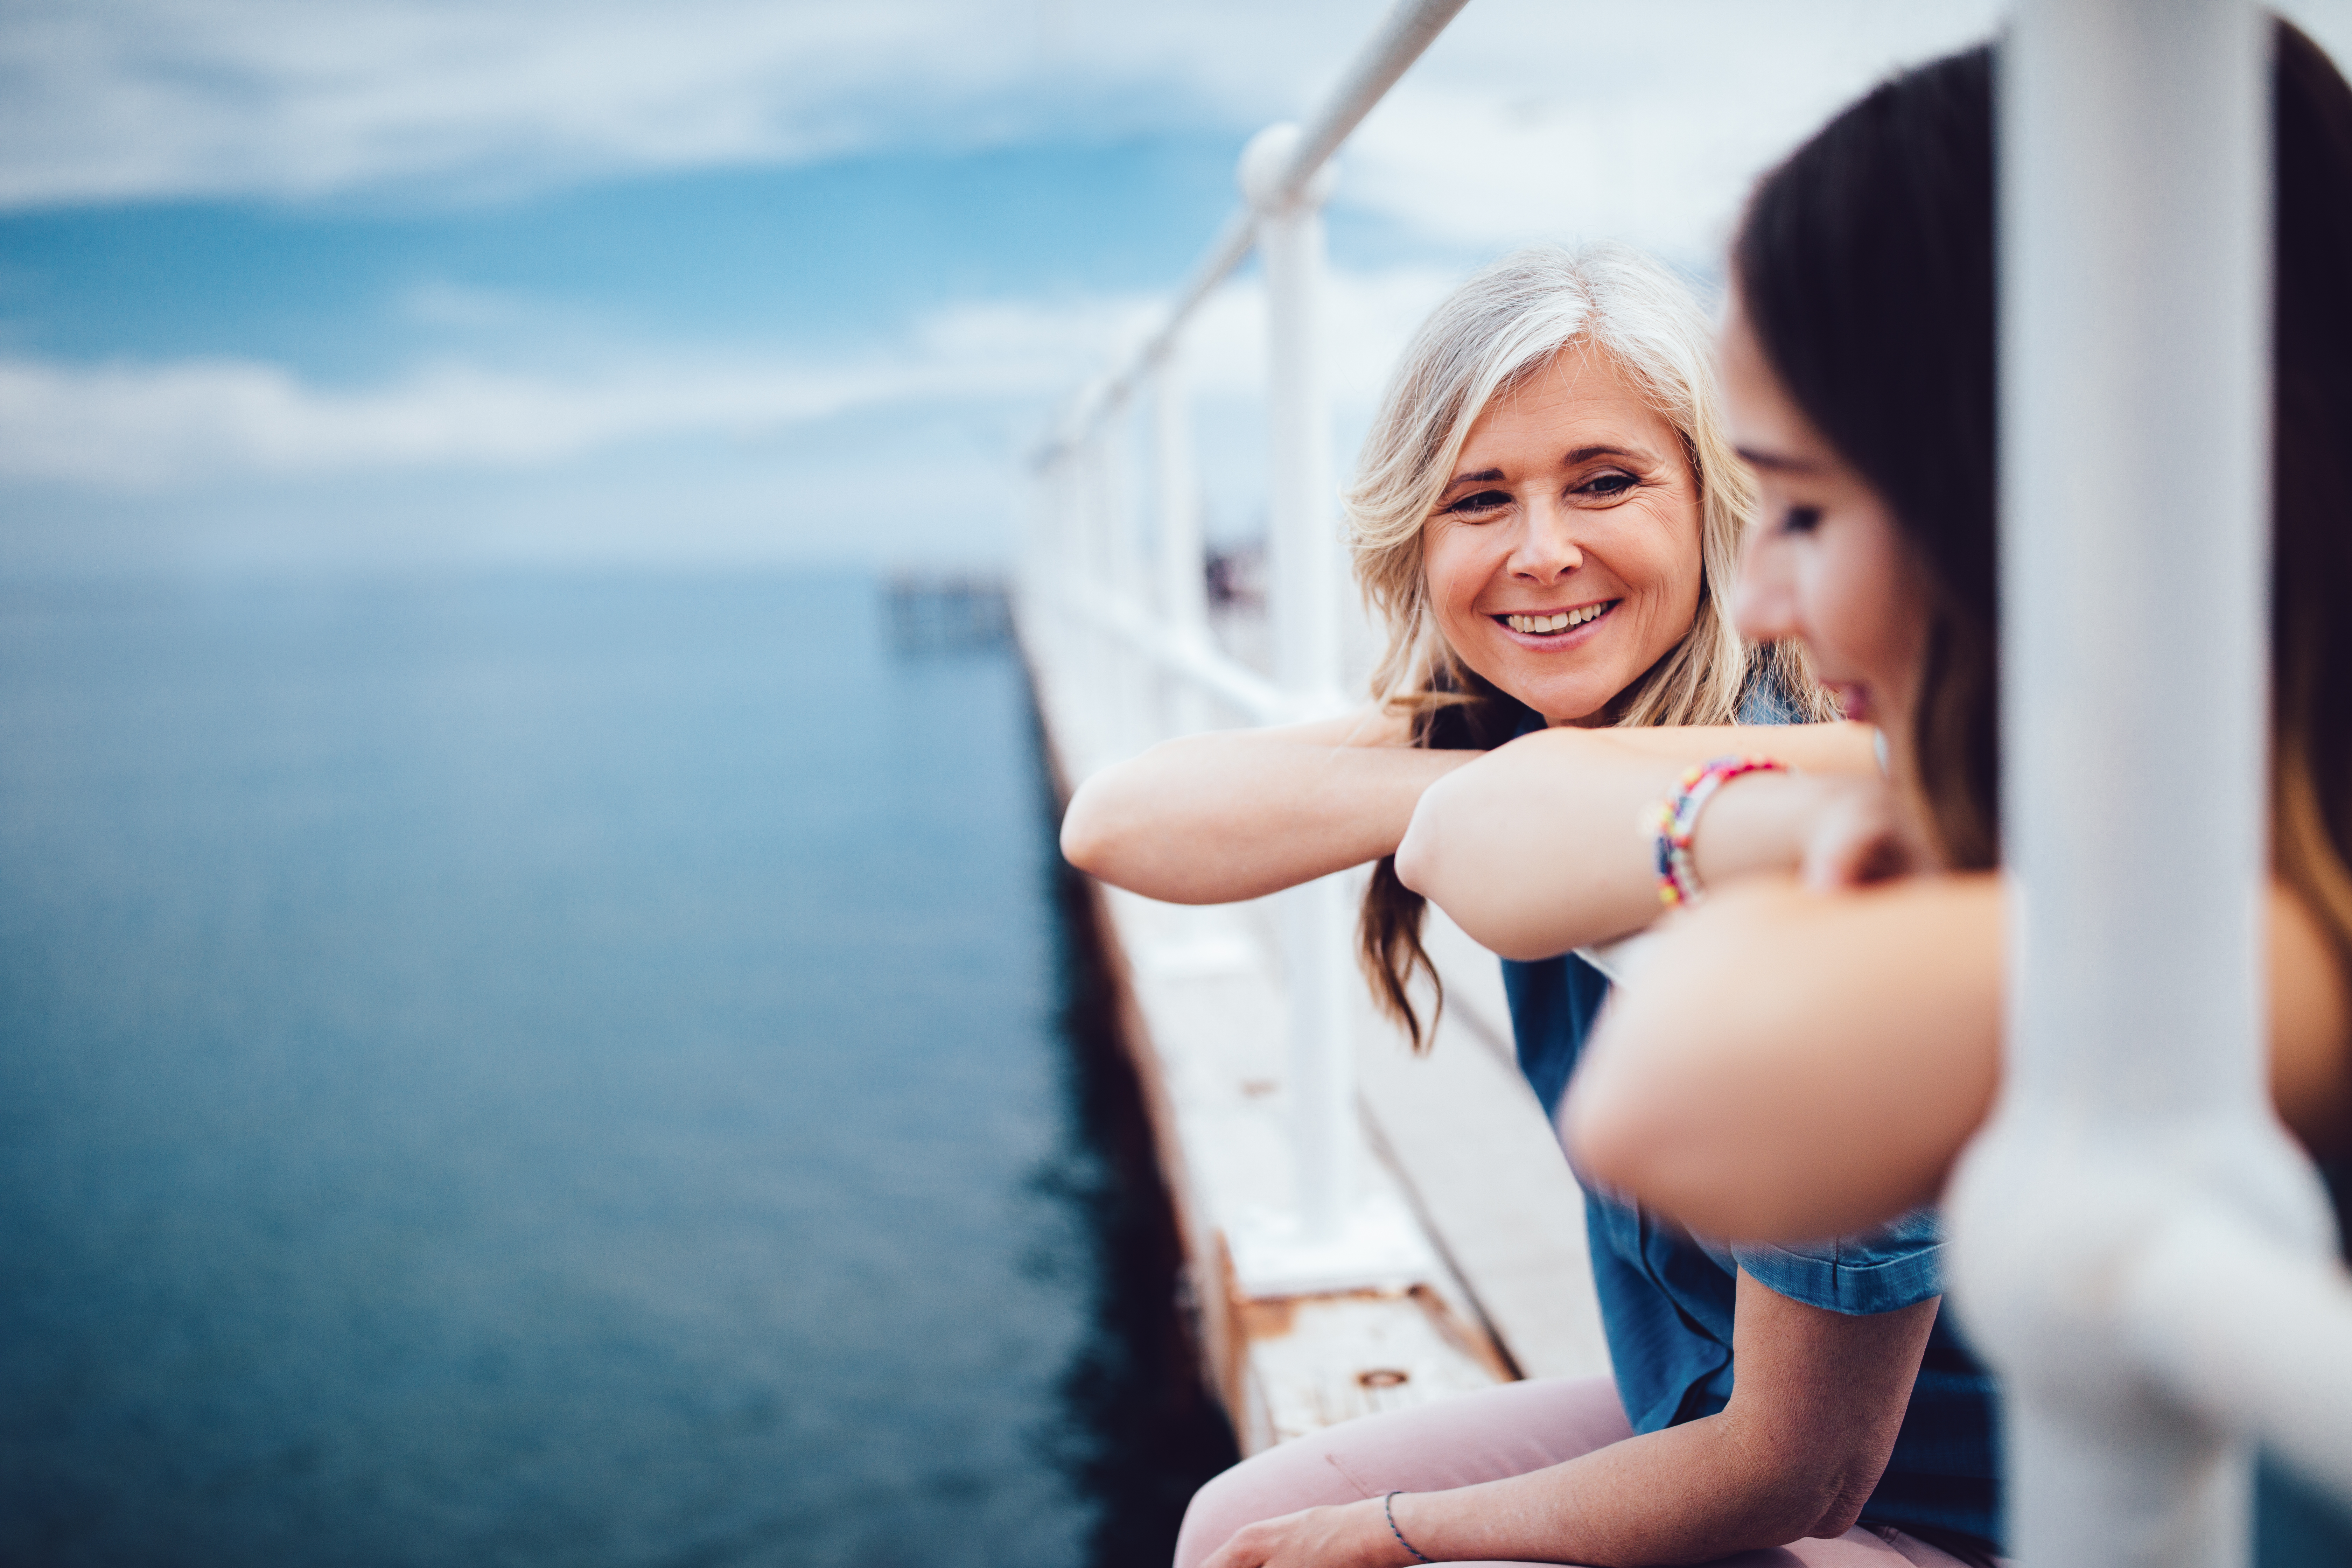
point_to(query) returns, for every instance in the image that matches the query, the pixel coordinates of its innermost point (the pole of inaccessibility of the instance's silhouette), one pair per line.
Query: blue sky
(395, 283)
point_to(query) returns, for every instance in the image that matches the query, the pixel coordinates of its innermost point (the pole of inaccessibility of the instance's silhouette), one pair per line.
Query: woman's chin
(1561, 697)
(1563, 703)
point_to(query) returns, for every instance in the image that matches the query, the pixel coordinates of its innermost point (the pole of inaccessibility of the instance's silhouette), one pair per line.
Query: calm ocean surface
(559, 1071)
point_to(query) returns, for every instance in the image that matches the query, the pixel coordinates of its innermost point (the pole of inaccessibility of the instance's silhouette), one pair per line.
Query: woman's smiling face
(1563, 556)
(1824, 561)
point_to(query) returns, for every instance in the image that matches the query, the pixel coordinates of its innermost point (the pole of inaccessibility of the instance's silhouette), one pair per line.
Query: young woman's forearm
(1238, 813)
(1849, 1045)
(1539, 847)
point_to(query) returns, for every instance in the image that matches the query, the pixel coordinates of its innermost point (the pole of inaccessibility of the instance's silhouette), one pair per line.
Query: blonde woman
(1546, 519)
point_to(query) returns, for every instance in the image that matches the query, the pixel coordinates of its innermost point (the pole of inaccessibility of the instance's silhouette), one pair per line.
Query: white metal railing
(2136, 1247)
(1133, 625)
(2139, 1248)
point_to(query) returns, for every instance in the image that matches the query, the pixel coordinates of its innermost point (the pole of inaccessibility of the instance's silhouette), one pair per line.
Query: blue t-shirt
(1666, 1298)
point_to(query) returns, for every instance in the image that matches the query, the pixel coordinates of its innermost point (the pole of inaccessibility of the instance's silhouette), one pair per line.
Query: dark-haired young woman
(1820, 1055)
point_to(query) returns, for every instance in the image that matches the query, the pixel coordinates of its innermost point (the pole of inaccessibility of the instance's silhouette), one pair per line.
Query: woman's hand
(1355, 1536)
(1862, 833)
(1831, 829)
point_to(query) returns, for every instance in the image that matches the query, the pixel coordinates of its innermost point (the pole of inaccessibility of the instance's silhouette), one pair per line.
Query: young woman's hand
(1831, 829)
(1862, 833)
(1355, 1536)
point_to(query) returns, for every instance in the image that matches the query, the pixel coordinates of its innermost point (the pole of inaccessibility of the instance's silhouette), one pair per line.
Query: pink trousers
(1458, 1442)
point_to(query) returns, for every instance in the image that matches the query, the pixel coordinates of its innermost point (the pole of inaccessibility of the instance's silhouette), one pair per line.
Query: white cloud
(1645, 125)
(1527, 117)
(147, 427)
(139, 98)
(1644, 122)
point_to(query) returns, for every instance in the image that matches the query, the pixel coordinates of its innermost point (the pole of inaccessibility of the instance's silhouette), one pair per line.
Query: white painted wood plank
(1462, 1127)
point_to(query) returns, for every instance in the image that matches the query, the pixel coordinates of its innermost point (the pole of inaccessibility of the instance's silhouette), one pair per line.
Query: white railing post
(1302, 568)
(2134, 289)
(1092, 559)
(1183, 597)
(1123, 575)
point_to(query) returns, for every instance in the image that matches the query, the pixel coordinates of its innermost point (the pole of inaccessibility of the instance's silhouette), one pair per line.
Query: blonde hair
(1497, 331)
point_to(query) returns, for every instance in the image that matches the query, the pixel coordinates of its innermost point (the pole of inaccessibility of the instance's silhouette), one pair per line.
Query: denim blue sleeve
(1883, 1270)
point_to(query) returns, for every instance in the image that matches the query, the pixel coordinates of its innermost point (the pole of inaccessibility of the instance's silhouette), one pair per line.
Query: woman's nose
(1547, 548)
(1763, 601)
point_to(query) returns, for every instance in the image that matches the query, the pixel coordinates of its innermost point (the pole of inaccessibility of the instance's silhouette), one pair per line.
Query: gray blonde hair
(1492, 335)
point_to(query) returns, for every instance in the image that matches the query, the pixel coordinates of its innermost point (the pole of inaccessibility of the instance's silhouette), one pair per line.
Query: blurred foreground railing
(2139, 1250)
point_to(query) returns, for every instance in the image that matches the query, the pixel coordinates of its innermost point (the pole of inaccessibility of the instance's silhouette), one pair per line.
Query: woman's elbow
(1091, 836)
(1612, 1131)
(1417, 862)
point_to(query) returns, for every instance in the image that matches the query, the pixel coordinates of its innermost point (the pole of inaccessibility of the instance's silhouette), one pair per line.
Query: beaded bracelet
(1673, 820)
(1388, 1508)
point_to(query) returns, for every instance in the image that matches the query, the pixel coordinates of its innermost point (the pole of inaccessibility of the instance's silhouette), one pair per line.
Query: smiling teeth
(1558, 622)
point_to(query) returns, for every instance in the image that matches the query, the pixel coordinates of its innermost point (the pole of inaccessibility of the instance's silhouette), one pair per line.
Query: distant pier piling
(947, 612)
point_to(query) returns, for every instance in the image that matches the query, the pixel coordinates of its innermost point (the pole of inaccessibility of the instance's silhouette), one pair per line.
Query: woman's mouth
(1852, 699)
(1556, 623)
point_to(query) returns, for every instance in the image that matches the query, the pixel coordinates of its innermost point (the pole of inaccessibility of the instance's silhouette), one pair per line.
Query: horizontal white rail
(1408, 30)
(1184, 656)
(2251, 1333)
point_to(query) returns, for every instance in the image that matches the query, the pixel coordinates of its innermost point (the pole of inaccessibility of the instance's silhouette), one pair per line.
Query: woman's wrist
(1757, 824)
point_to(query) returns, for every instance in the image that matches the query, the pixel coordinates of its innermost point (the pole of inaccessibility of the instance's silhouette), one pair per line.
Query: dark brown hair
(1865, 264)
(2310, 620)
(1865, 267)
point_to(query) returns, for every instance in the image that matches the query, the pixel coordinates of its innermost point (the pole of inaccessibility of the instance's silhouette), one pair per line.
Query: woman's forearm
(1805, 1437)
(1796, 1451)
(1789, 1064)
(1239, 813)
(1690, 1493)
(1539, 847)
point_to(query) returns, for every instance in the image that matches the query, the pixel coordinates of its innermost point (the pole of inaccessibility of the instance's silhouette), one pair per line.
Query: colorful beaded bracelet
(1673, 820)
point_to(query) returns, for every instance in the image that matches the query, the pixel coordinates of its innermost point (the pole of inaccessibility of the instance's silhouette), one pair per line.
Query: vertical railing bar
(2134, 284)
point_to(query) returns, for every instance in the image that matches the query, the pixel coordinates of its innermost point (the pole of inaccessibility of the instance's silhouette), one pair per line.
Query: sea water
(554, 1069)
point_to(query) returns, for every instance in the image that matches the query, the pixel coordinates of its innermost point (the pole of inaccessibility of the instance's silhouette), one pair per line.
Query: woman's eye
(1484, 501)
(1801, 519)
(1606, 485)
